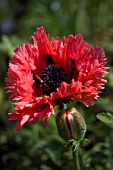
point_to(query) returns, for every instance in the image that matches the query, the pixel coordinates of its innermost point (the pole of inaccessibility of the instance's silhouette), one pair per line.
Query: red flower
(48, 71)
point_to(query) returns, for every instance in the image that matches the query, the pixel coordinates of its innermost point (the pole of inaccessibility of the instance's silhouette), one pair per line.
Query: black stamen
(49, 60)
(52, 77)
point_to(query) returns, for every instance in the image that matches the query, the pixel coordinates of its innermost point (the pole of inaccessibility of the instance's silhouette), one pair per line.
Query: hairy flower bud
(71, 124)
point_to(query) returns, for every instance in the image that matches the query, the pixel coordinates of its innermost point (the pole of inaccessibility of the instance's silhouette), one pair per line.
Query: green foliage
(8, 44)
(105, 104)
(35, 147)
(106, 118)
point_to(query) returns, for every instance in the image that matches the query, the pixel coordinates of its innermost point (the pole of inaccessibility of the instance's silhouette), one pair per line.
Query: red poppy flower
(52, 70)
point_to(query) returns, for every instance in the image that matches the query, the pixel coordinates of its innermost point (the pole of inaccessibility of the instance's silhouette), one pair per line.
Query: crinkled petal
(20, 77)
(84, 65)
(34, 112)
(41, 41)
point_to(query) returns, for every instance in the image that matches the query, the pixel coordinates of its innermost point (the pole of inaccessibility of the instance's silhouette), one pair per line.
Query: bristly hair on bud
(71, 124)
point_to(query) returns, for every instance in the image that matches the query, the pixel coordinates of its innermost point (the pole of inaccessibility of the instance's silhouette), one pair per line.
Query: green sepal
(73, 143)
(85, 142)
(75, 128)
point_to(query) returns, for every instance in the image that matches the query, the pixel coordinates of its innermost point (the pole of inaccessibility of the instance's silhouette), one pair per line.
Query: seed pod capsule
(71, 124)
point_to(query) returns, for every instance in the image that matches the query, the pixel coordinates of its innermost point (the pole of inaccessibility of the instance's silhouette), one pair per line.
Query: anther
(52, 77)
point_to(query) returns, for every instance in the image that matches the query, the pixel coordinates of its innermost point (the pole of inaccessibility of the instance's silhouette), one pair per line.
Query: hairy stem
(76, 159)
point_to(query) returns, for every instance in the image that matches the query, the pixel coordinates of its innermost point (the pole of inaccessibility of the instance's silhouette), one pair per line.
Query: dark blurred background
(35, 147)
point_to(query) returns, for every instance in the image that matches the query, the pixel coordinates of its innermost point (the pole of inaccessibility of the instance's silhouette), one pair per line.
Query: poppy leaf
(106, 118)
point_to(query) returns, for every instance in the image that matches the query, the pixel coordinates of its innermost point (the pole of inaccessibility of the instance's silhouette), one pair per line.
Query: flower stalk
(76, 159)
(72, 128)
(75, 152)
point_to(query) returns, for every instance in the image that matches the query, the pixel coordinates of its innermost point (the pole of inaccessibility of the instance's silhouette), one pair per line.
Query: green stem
(76, 159)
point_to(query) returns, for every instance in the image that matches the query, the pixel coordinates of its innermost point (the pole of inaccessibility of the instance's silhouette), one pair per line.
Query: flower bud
(71, 124)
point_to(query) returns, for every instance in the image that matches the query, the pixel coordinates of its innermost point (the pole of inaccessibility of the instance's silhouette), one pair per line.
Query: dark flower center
(52, 77)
